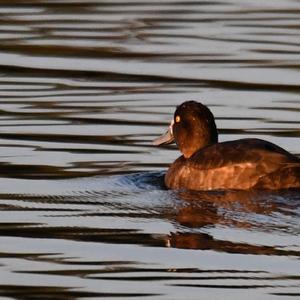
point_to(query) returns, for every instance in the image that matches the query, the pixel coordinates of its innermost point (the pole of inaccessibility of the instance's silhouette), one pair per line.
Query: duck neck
(196, 142)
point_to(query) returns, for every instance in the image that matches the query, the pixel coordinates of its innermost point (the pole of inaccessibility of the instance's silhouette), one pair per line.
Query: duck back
(240, 164)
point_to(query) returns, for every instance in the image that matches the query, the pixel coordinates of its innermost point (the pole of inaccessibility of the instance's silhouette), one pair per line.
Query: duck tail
(288, 177)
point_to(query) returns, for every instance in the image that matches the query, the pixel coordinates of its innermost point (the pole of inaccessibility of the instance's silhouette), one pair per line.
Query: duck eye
(177, 119)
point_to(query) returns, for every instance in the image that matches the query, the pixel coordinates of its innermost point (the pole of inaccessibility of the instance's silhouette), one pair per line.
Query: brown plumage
(240, 164)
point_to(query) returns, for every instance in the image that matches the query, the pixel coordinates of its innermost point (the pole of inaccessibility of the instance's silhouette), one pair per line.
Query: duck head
(192, 128)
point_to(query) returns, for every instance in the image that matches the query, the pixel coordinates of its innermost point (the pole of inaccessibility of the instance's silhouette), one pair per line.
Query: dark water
(85, 87)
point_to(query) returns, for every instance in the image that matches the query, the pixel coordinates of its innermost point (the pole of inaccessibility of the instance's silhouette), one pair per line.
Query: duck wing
(236, 164)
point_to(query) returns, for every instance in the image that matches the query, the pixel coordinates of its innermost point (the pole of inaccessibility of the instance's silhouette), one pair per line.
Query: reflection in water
(131, 197)
(235, 209)
(85, 86)
(156, 219)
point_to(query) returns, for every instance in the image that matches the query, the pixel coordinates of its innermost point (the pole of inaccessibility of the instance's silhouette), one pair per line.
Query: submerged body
(209, 165)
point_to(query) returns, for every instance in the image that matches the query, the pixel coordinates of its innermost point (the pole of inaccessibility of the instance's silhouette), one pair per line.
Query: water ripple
(85, 87)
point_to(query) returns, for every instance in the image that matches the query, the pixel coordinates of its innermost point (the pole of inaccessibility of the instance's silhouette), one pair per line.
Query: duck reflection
(248, 210)
(222, 207)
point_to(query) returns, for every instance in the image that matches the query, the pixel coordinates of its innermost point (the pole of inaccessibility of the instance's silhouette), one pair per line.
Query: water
(85, 86)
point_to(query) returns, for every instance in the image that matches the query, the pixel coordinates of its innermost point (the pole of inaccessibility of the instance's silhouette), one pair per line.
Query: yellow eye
(177, 119)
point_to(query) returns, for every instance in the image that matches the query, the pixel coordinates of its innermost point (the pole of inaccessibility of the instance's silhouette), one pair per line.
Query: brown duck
(209, 165)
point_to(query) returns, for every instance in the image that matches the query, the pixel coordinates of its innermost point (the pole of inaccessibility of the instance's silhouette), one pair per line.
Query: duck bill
(166, 138)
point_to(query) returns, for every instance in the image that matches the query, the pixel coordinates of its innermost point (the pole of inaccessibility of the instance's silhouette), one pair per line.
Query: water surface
(85, 86)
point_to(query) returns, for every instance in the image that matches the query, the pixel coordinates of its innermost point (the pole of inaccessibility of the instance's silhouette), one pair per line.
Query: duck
(206, 164)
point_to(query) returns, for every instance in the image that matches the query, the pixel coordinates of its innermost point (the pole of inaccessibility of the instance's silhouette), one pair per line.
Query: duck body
(241, 164)
(209, 165)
